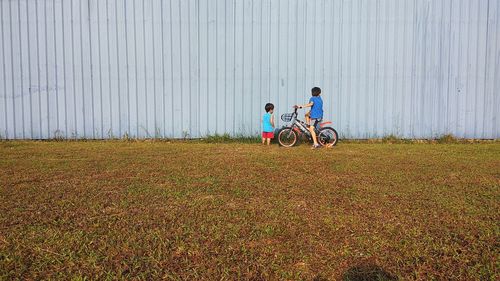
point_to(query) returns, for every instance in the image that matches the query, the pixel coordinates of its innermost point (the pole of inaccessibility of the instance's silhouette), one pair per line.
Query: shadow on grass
(367, 272)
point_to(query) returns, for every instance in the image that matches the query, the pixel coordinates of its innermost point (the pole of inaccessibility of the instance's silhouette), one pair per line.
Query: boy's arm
(306, 105)
(272, 120)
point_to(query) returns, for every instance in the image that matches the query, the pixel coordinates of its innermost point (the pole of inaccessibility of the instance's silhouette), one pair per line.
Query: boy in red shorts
(268, 124)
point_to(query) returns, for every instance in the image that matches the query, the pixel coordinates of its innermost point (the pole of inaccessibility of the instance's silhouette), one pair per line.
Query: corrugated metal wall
(175, 68)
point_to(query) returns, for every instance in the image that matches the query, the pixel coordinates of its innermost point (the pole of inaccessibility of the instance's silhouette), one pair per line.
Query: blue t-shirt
(266, 123)
(317, 108)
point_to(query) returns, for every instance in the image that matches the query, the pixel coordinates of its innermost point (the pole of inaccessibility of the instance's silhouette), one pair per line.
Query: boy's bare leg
(308, 118)
(263, 141)
(313, 135)
(268, 141)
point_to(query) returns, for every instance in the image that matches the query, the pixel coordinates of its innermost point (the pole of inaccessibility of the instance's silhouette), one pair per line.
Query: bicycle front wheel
(287, 137)
(328, 136)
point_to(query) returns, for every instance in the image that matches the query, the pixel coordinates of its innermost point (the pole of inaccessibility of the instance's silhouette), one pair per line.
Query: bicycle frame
(302, 128)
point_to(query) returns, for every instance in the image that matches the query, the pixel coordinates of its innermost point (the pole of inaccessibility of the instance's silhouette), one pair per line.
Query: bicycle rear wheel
(287, 137)
(328, 136)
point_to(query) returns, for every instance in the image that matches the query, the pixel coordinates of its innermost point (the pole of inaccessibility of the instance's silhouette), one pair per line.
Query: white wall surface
(176, 68)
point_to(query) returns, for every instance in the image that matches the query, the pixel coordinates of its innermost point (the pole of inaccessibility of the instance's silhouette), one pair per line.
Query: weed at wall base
(448, 138)
(226, 138)
(58, 136)
(392, 139)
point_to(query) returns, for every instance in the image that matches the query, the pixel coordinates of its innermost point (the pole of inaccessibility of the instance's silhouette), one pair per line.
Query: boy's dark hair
(269, 107)
(316, 91)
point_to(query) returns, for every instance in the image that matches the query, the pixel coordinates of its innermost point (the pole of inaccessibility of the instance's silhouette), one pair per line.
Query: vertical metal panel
(189, 68)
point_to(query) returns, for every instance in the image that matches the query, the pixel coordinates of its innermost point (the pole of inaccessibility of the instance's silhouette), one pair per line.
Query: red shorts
(268, 135)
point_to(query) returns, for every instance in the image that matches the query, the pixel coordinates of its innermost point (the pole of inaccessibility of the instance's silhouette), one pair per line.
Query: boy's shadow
(367, 272)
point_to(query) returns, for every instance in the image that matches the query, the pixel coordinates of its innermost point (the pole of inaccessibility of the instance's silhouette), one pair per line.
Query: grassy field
(233, 211)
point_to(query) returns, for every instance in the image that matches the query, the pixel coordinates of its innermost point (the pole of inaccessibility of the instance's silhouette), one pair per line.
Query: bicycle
(288, 136)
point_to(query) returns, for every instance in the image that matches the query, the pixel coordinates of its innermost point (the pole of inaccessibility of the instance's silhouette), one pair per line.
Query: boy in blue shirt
(268, 124)
(315, 114)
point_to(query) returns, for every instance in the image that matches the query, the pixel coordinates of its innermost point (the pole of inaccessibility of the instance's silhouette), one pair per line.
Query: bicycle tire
(328, 136)
(286, 132)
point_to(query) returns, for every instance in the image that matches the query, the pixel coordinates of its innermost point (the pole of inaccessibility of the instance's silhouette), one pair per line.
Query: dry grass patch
(192, 211)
